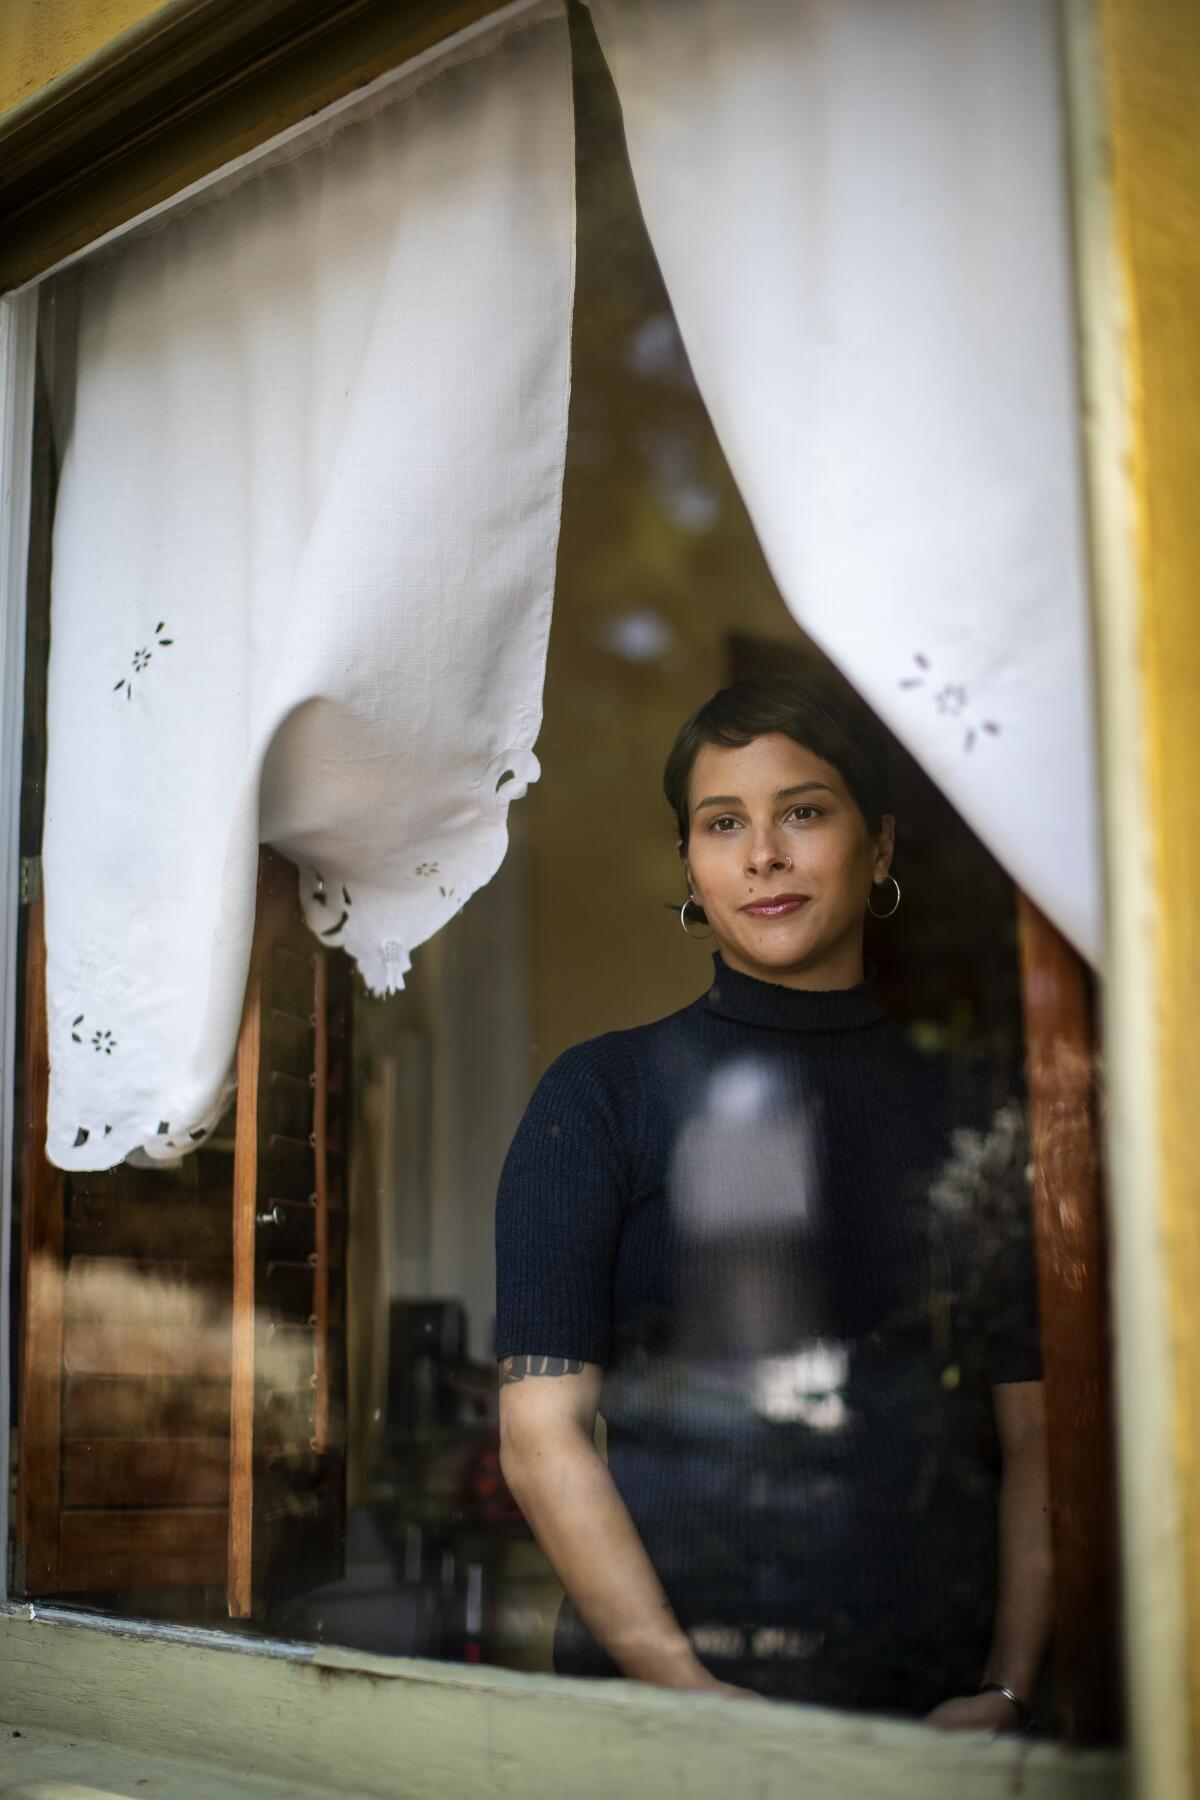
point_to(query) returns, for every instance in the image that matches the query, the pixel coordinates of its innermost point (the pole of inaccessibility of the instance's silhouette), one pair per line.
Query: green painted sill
(229, 1720)
(36, 1765)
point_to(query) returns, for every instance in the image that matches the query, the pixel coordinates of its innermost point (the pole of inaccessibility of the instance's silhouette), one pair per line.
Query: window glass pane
(779, 1241)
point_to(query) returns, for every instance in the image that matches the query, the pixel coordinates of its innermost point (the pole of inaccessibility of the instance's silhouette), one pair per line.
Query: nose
(764, 855)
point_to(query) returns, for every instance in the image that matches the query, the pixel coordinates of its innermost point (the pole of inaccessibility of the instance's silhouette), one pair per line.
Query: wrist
(669, 1664)
(1019, 1707)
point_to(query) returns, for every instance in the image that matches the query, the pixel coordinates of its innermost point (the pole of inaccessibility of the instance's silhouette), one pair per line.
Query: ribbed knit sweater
(800, 1250)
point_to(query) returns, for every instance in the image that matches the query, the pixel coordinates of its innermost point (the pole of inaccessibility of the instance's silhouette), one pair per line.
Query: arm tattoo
(516, 1368)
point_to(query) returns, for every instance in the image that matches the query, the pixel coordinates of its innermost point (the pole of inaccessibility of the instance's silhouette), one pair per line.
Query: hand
(974, 1712)
(679, 1667)
(693, 1678)
(701, 1682)
(710, 1685)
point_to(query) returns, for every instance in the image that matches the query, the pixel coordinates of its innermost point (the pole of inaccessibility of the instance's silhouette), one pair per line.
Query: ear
(884, 845)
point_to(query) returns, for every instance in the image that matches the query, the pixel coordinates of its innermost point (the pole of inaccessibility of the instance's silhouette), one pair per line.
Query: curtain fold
(859, 210)
(303, 566)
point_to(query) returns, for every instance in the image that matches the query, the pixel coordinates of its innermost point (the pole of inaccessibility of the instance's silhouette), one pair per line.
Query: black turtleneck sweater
(799, 1248)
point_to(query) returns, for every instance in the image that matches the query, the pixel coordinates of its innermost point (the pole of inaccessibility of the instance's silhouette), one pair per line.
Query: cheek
(836, 862)
(714, 864)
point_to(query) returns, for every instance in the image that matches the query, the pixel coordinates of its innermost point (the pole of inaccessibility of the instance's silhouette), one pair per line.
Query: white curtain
(858, 208)
(303, 566)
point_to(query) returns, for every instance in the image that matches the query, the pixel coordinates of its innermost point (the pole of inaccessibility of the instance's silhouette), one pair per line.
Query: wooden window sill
(353, 1724)
(39, 1765)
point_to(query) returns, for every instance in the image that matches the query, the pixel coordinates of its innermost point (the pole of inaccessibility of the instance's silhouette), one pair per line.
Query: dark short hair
(833, 725)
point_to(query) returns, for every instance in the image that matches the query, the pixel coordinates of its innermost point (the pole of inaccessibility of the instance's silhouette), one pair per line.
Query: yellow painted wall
(41, 39)
(1153, 72)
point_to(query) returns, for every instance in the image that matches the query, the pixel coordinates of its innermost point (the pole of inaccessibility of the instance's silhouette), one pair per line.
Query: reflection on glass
(786, 1253)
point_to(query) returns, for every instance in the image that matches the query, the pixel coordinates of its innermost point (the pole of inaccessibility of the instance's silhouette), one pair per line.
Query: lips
(778, 906)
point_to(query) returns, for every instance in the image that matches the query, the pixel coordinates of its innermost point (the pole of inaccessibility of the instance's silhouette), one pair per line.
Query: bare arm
(559, 1480)
(1024, 1601)
(1024, 1598)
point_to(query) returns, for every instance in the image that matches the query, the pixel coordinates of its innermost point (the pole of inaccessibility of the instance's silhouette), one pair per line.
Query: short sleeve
(562, 1198)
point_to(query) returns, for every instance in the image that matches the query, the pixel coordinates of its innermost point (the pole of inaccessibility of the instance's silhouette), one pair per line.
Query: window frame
(176, 97)
(683, 1728)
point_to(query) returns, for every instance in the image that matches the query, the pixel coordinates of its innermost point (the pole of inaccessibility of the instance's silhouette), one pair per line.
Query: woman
(751, 1237)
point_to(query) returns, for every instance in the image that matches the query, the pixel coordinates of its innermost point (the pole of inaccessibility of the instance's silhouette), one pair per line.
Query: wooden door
(124, 1359)
(287, 1482)
(182, 1368)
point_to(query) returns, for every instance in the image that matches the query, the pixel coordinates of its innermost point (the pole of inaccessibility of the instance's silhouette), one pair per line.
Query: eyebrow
(802, 787)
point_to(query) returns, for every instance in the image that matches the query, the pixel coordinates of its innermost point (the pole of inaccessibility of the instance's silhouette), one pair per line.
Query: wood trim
(321, 1158)
(240, 1570)
(172, 99)
(39, 1494)
(1072, 1263)
(140, 68)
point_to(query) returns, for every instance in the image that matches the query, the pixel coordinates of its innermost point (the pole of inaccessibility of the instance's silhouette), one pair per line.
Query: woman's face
(753, 808)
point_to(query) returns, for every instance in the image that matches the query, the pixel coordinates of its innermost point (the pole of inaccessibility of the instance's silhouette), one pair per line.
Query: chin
(779, 951)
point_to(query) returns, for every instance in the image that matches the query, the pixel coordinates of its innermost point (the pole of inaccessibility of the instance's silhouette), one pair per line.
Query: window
(370, 1510)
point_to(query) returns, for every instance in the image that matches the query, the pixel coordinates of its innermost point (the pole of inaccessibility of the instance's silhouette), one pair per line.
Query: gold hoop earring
(891, 909)
(695, 936)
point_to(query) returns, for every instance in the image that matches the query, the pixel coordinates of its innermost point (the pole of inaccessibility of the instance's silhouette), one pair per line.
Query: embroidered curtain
(858, 207)
(303, 565)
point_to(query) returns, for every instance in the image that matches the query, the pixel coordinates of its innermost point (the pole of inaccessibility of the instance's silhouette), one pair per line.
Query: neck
(838, 967)
(748, 999)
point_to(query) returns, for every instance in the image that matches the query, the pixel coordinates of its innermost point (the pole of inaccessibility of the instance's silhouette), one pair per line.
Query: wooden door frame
(18, 326)
(168, 101)
(1133, 70)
